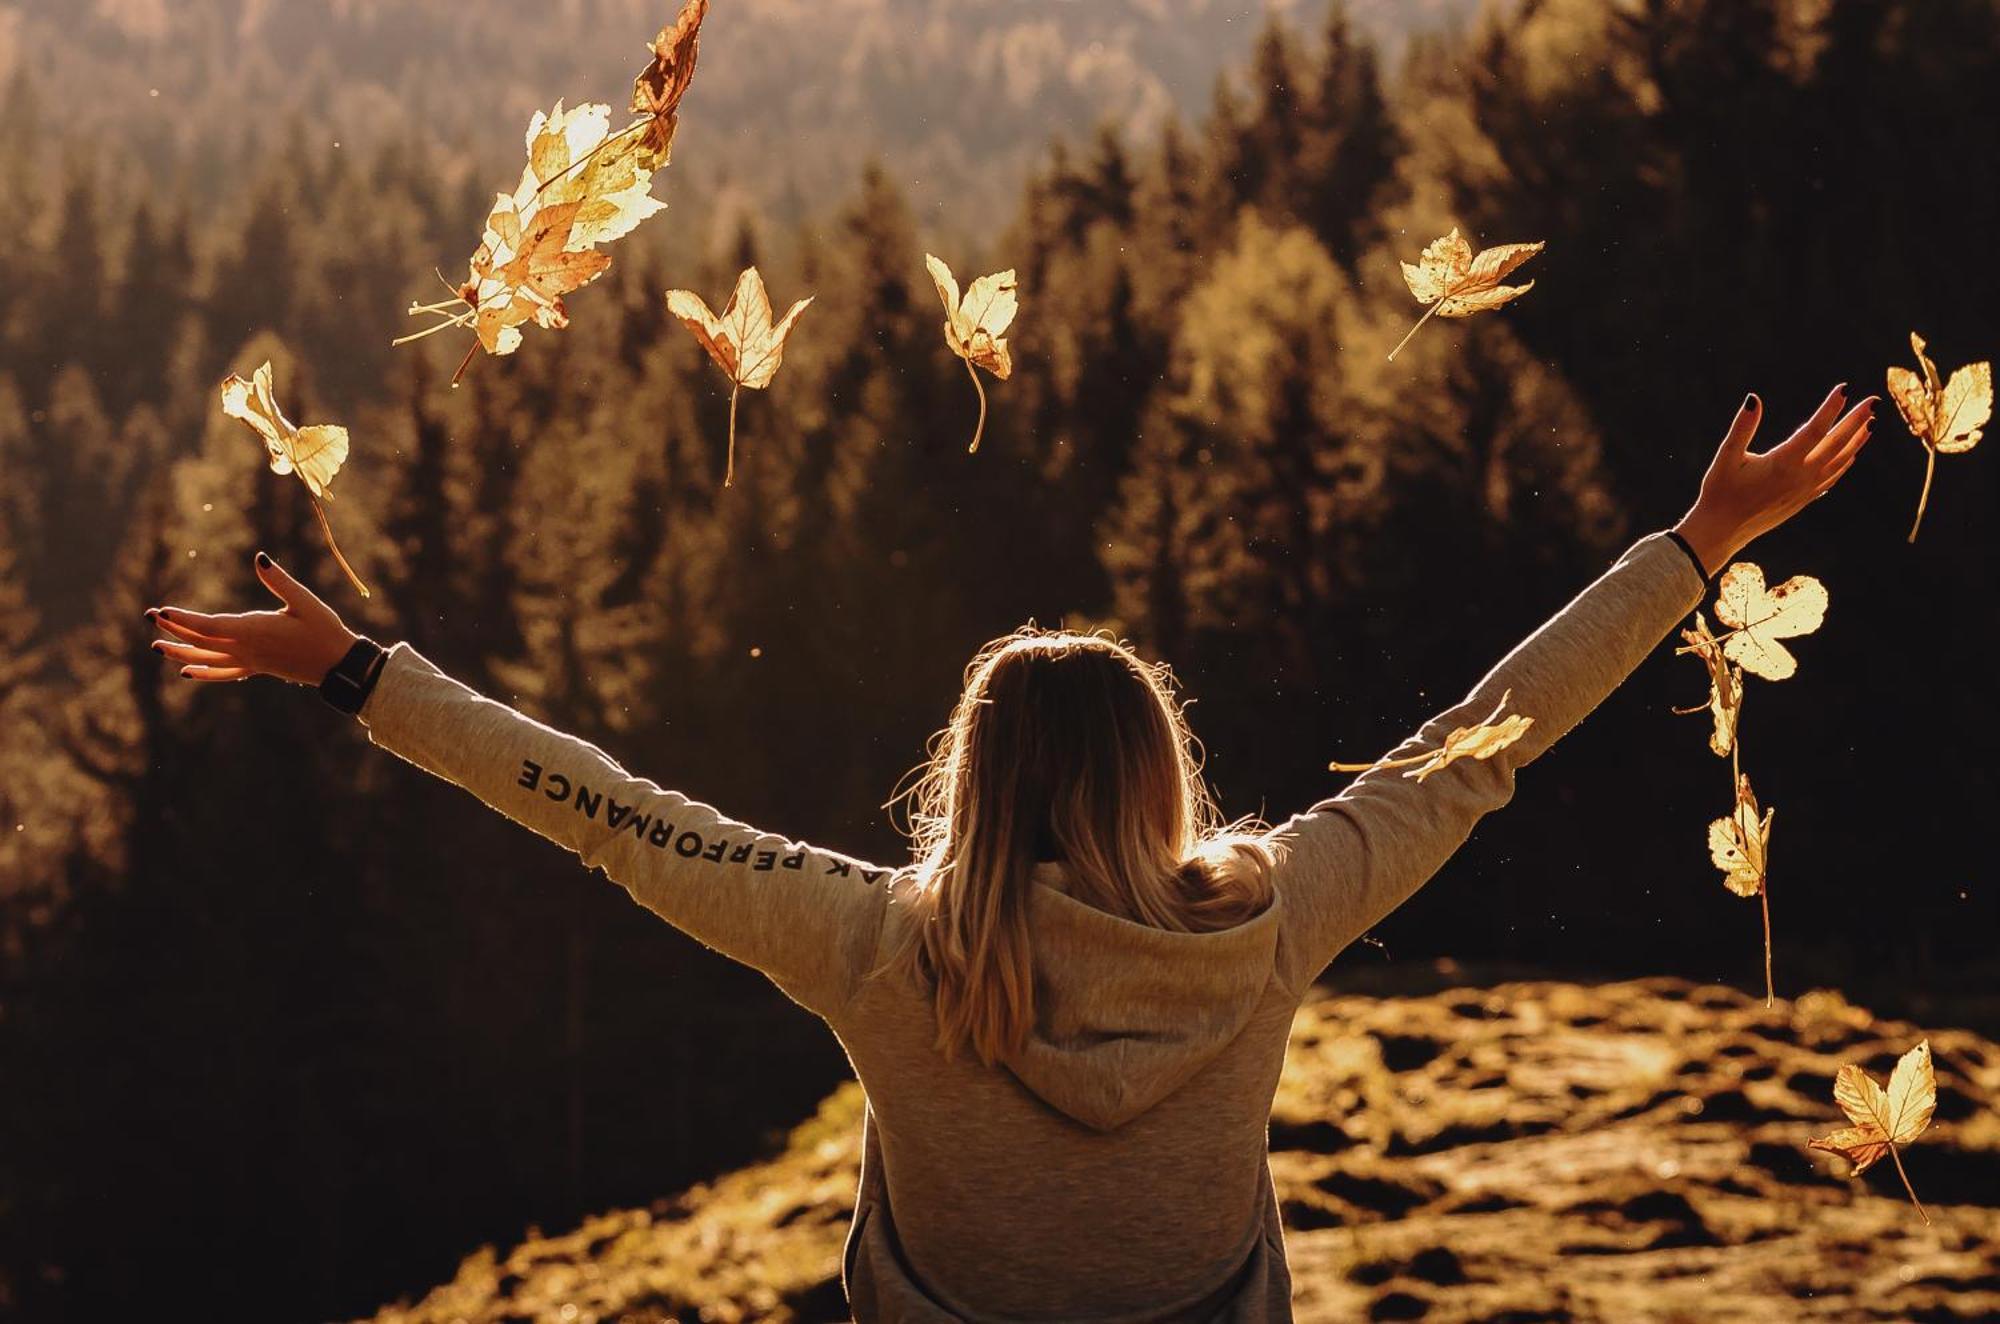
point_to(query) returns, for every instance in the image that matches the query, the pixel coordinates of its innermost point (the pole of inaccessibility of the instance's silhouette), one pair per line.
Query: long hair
(1062, 746)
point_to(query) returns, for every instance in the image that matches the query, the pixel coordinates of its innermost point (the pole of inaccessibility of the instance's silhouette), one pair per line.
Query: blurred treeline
(286, 1026)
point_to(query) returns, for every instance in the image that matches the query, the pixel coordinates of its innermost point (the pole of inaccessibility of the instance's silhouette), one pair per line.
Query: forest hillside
(957, 97)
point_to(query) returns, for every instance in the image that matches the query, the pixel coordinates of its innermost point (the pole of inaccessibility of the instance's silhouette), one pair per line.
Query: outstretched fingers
(197, 627)
(190, 653)
(1743, 428)
(283, 587)
(1815, 427)
(216, 673)
(1844, 436)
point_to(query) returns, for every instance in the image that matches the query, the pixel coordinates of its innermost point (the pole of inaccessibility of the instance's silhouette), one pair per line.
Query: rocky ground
(1526, 1151)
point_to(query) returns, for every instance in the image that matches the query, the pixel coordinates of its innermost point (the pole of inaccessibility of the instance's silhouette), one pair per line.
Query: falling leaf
(1759, 617)
(1884, 1120)
(1475, 742)
(657, 91)
(1946, 417)
(522, 272)
(1740, 846)
(584, 185)
(573, 157)
(314, 453)
(1453, 283)
(1725, 686)
(743, 341)
(975, 324)
(533, 252)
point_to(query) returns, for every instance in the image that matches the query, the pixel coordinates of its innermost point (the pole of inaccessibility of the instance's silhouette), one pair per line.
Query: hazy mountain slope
(1535, 1151)
(792, 97)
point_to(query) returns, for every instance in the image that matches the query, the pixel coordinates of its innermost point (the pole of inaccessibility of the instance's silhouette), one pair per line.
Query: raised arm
(1348, 861)
(808, 918)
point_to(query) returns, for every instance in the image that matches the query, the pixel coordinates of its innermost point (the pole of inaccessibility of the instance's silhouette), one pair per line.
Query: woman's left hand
(300, 642)
(1746, 494)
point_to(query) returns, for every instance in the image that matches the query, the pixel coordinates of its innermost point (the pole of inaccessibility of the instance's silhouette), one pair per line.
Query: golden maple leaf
(1482, 742)
(582, 186)
(1947, 417)
(314, 453)
(523, 273)
(1759, 617)
(573, 157)
(974, 326)
(1884, 1119)
(1740, 843)
(1454, 283)
(1725, 686)
(657, 91)
(744, 342)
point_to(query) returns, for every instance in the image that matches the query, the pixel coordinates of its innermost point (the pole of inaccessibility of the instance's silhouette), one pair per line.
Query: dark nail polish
(157, 648)
(1751, 403)
(263, 561)
(184, 673)
(152, 612)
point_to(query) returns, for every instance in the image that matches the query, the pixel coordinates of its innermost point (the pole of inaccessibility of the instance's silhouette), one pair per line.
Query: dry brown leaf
(584, 185)
(744, 342)
(539, 240)
(1758, 617)
(657, 91)
(521, 274)
(1740, 846)
(1482, 741)
(975, 326)
(314, 453)
(573, 157)
(1947, 417)
(1454, 283)
(1725, 686)
(1882, 1119)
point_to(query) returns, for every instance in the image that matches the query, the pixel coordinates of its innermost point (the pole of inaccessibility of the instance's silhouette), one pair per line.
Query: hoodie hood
(1125, 1013)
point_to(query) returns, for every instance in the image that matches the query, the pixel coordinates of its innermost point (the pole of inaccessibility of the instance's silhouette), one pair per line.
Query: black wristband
(1688, 547)
(349, 681)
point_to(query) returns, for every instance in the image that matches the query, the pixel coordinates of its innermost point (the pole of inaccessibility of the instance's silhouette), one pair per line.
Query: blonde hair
(1062, 745)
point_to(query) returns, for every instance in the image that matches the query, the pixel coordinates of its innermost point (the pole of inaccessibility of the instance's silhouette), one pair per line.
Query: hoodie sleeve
(806, 917)
(1348, 861)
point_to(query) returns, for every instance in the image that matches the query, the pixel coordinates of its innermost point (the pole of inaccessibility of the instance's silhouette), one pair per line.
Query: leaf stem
(586, 157)
(1764, 896)
(1408, 761)
(465, 362)
(729, 466)
(979, 429)
(334, 547)
(1923, 498)
(1895, 1153)
(463, 319)
(1428, 314)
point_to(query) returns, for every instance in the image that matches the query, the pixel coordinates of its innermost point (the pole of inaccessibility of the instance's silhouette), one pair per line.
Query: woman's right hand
(1745, 495)
(300, 642)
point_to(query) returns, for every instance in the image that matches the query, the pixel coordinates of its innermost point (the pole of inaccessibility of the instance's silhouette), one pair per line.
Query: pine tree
(71, 302)
(1271, 139)
(1350, 143)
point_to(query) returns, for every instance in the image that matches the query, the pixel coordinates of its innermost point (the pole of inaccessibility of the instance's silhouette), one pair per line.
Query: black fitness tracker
(349, 681)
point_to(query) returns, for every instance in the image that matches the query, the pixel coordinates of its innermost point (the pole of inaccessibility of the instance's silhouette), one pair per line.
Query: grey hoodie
(1117, 1171)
